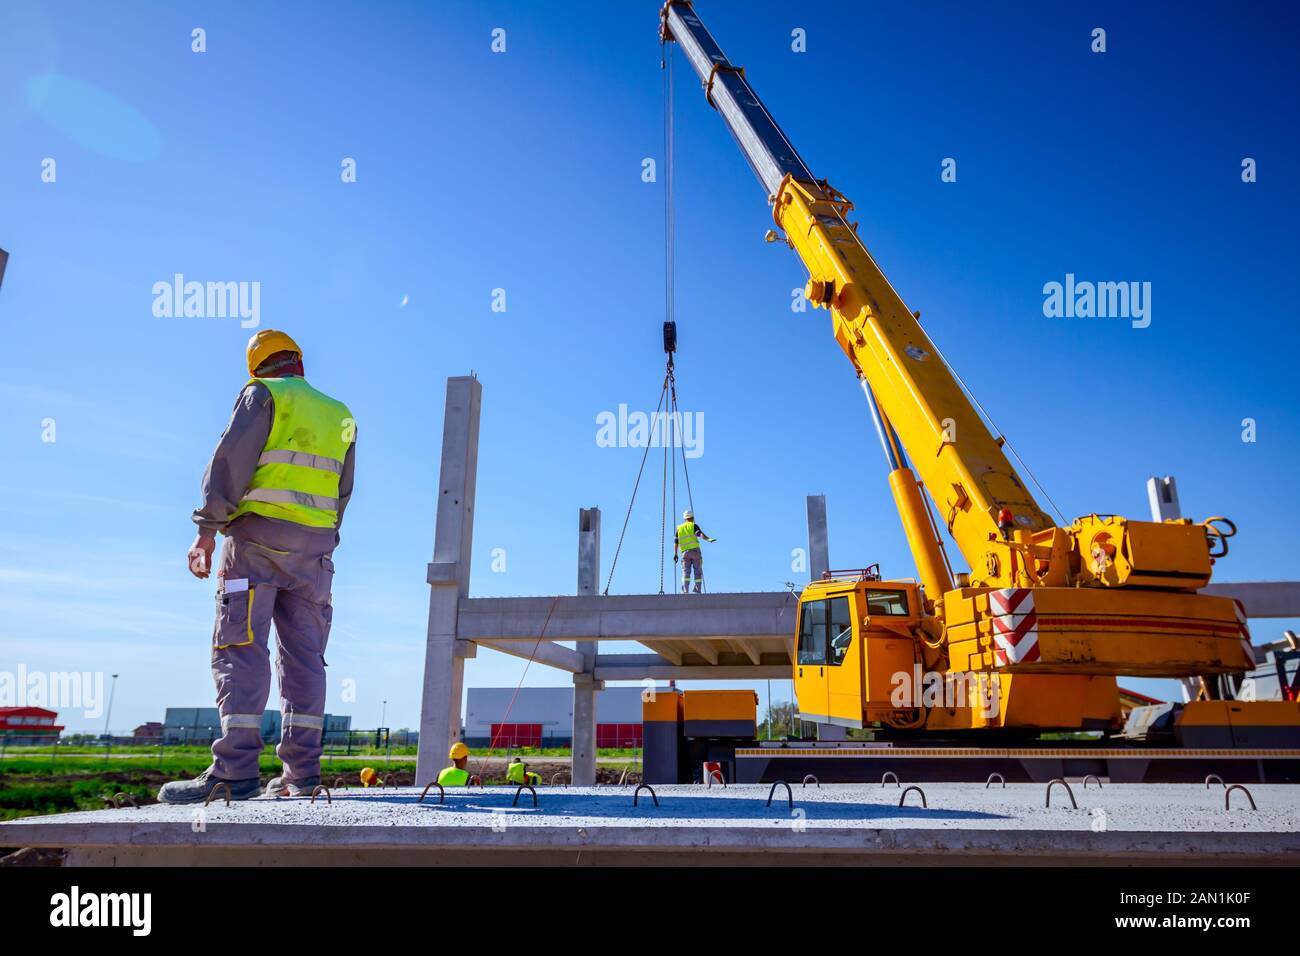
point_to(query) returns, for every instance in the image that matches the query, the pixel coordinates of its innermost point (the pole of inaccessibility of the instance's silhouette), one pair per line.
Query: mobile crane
(1032, 637)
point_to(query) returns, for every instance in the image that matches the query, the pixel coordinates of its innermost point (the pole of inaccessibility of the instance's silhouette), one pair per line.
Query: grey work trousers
(271, 572)
(692, 560)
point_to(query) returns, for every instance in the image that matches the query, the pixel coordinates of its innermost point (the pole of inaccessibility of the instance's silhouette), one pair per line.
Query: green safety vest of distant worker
(518, 773)
(688, 543)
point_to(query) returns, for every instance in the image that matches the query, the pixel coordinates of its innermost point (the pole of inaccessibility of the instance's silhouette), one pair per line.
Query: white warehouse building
(543, 717)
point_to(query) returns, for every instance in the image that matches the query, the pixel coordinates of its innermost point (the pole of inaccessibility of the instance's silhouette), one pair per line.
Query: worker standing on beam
(276, 487)
(687, 543)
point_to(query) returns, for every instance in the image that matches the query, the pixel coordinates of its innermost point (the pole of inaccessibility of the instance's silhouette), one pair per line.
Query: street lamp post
(108, 716)
(108, 741)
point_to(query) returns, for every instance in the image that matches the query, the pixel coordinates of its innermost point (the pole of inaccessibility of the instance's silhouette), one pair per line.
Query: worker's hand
(200, 554)
(674, 559)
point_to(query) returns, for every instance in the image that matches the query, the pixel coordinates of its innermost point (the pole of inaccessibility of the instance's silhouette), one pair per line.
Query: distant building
(148, 732)
(202, 725)
(26, 726)
(543, 717)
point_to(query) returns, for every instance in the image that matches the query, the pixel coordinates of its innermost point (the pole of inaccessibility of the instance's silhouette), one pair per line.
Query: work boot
(197, 790)
(282, 786)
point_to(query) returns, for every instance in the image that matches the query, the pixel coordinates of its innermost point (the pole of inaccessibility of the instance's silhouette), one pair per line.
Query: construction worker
(688, 543)
(456, 775)
(517, 772)
(276, 487)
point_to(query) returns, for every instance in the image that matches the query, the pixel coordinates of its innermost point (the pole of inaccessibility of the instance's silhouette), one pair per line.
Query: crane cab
(855, 637)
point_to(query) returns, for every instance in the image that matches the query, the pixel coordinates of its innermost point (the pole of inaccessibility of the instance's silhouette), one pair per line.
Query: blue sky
(522, 171)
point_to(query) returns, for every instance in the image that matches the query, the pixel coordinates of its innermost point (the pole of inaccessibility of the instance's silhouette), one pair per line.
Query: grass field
(41, 783)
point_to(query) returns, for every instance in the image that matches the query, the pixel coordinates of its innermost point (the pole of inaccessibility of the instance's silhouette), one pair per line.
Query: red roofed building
(23, 726)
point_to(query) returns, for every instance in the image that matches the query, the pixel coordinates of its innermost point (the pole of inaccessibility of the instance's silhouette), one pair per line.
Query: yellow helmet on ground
(458, 750)
(265, 343)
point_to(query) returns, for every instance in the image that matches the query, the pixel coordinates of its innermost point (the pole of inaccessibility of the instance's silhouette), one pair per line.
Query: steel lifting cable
(665, 65)
(637, 484)
(670, 218)
(663, 514)
(676, 413)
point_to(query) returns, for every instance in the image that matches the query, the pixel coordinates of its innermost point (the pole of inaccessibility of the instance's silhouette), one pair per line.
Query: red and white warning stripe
(1015, 626)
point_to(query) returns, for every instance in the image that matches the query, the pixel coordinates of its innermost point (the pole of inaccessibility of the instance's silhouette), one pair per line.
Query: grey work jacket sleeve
(233, 463)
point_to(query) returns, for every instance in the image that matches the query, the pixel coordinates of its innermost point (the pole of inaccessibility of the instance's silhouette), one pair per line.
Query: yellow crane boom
(1072, 606)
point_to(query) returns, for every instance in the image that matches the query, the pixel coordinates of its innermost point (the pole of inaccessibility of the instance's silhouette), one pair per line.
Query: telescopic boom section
(960, 463)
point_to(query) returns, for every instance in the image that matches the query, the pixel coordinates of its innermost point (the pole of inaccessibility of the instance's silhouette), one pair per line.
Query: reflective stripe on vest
(686, 538)
(453, 777)
(281, 496)
(302, 459)
(297, 476)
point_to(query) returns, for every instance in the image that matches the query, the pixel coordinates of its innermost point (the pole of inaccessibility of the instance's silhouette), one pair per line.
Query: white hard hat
(688, 514)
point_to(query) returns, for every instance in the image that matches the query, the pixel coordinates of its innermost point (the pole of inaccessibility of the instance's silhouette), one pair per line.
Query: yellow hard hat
(265, 343)
(368, 776)
(458, 750)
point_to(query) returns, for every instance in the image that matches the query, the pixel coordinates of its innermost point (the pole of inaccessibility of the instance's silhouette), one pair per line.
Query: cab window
(812, 632)
(887, 602)
(840, 630)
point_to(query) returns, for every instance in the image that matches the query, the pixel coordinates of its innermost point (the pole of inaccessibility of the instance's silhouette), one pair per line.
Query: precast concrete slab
(834, 824)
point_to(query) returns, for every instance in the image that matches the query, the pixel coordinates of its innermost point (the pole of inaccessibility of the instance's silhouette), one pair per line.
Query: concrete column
(1163, 495)
(448, 577)
(585, 685)
(819, 549)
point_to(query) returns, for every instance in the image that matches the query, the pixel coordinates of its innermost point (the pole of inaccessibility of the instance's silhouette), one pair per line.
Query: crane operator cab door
(828, 668)
(854, 648)
(810, 661)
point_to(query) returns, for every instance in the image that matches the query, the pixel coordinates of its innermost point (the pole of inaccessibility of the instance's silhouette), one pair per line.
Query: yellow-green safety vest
(515, 773)
(686, 537)
(297, 476)
(453, 777)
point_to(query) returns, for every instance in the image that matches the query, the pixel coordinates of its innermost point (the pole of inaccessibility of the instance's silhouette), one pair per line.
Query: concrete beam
(669, 653)
(448, 576)
(546, 652)
(631, 617)
(667, 671)
(819, 548)
(1261, 598)
(705, 650)
(630, 660)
